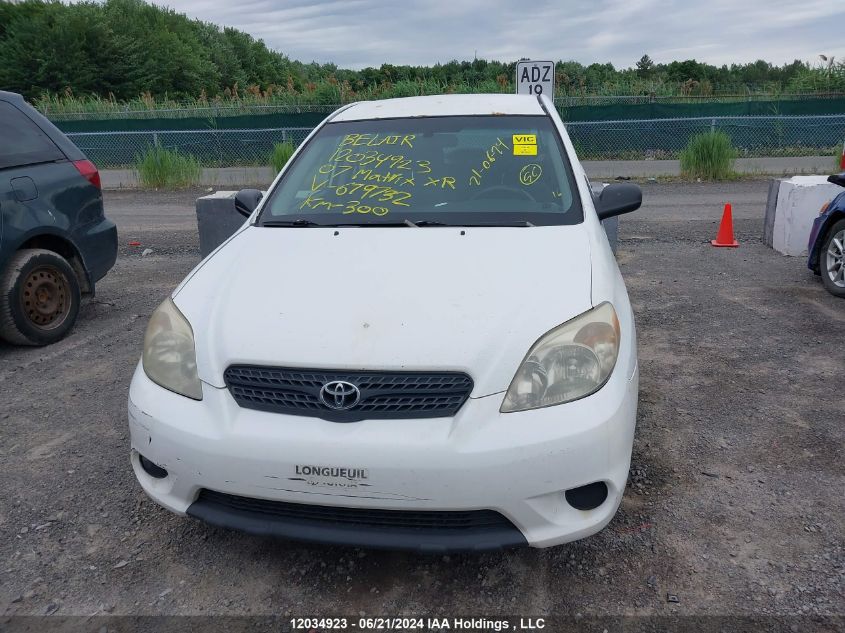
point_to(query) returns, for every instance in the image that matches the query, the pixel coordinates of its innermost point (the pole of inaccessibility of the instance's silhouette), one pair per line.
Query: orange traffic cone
(725, 236)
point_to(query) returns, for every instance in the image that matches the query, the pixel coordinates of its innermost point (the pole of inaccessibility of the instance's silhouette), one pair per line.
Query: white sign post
(535, 78)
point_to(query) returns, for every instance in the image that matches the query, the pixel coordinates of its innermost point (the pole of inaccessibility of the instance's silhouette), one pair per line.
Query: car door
(27, 172)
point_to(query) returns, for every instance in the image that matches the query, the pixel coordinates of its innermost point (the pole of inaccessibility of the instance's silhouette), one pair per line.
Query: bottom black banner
(425, 623)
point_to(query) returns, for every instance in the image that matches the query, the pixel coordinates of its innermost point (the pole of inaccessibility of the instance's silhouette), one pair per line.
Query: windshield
(469, 170)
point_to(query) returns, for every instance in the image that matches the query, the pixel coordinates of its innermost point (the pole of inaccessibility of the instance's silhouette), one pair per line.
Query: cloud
(358, 33)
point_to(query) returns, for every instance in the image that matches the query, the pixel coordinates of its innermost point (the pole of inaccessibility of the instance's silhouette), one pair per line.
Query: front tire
(832, 260)
(39, 298)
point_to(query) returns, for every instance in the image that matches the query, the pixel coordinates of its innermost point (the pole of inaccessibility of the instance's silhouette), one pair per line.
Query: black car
(55, 241)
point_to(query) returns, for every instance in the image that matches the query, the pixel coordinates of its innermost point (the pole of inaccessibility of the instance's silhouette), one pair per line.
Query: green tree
(645, 67)
(128, 47)
(686, 71)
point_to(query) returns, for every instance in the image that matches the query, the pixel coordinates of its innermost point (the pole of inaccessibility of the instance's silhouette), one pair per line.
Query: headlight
(169, 356)
(569, 362)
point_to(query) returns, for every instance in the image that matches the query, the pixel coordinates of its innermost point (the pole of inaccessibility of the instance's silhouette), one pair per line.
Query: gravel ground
(734, 506)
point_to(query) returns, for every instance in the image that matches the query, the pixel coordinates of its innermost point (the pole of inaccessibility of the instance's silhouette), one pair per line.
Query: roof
(10, 96)
(441, 105)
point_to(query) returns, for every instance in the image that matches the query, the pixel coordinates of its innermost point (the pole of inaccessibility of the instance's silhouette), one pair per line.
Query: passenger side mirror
(246, 200)
(618, 198)
(837, 179)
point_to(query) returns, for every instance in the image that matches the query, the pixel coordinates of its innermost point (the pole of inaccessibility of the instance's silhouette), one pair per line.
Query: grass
(281, 155)
(160, 167)
(709, 156)
(837, 160)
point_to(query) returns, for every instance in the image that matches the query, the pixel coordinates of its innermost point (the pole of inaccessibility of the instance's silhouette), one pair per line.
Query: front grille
(382, 394)
(448, 520)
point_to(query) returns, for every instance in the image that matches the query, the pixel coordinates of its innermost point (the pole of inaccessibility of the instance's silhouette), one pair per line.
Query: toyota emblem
(339, 395)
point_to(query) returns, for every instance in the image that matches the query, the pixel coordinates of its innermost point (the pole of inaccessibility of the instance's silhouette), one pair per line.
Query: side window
(23, 143)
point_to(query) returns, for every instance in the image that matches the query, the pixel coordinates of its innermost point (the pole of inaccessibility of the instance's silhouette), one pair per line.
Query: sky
(359, 33)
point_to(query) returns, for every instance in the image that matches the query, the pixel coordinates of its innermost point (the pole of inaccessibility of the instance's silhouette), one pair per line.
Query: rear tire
(39, 298)
(832, 260)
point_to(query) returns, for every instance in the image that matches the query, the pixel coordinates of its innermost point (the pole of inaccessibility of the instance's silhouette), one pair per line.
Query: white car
(419, 339)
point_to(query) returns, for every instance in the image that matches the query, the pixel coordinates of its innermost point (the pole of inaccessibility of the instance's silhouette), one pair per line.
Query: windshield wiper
(515, 223)
(471, 224)
(302, 222)
(297, 222)
(373, 224)
(414, 224)
(405, 222)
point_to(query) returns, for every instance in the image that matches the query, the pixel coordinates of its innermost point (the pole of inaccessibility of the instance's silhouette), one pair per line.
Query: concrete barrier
(792, 206)
(217, 219)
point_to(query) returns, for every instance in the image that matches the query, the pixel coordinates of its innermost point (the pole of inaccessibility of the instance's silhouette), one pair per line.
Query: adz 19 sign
(535, 78)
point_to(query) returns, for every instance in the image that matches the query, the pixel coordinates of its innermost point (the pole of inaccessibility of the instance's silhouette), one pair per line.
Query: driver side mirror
(837, 179)
(246, 200)
(618, 198)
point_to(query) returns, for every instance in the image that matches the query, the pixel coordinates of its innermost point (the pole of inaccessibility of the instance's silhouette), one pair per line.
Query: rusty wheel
(45, 296)
(39, 298)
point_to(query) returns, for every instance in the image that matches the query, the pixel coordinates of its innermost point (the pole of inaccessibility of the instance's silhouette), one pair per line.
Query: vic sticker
(524, 144)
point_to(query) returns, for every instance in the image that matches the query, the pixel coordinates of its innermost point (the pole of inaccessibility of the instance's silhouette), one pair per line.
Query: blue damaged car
(827, 240)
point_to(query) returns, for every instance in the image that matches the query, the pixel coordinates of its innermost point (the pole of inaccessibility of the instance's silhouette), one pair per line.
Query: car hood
(426, 299)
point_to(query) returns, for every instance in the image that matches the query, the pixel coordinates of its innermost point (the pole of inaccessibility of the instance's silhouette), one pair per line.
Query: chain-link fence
(212, 147)
(594, 140)
(751, 136)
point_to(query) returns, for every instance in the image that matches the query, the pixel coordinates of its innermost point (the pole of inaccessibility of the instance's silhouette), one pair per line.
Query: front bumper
(516, 464)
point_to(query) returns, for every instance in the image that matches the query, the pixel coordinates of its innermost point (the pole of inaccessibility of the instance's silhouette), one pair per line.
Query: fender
(53, 238)
(834, 215)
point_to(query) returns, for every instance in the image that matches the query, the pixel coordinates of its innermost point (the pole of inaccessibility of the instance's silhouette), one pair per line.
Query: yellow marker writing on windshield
(530, 174)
